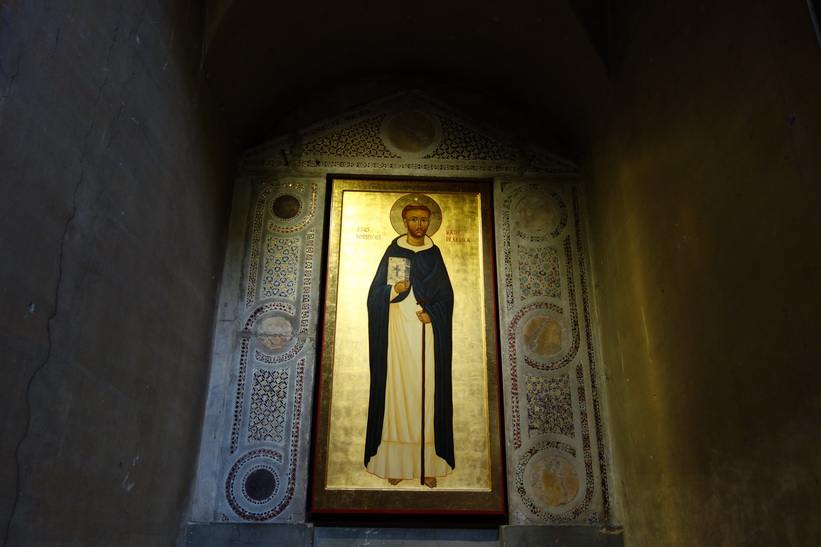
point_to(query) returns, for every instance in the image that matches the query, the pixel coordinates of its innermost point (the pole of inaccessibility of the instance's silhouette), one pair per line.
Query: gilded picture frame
(369, 455)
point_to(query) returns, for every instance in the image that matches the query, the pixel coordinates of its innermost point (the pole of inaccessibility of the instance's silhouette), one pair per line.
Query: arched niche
(258, 433)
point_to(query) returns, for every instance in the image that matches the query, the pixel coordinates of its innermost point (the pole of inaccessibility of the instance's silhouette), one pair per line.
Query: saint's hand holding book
(398, 269)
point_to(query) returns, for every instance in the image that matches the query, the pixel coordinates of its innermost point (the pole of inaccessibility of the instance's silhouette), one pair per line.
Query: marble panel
(557, 473)
(267, 358)
(256, 437)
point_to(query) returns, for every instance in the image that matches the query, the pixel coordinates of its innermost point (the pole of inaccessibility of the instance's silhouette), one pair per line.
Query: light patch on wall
(815, 13)
(127, 486)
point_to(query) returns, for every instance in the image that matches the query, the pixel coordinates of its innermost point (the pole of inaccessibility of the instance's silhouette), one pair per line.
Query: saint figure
(410, 418)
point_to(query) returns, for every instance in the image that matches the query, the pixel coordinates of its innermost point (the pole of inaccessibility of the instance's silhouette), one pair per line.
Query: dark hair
(413, 207)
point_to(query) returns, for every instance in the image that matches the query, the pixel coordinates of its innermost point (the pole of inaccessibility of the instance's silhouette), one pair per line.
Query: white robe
(399, 454)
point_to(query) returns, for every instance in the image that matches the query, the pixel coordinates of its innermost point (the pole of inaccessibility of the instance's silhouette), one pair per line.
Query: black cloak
(430, 282)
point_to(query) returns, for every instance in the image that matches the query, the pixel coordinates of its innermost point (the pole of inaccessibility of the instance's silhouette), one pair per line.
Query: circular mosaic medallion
(411, 133)
(554, 481)
(260, 484)
(275, 332)
(544, 476)
(286, 206)
(535, 213)
(254, 488)
(543, 335)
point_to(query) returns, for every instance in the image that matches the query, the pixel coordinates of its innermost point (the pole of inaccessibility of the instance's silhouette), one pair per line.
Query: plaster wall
(704, 199)
(114, 172)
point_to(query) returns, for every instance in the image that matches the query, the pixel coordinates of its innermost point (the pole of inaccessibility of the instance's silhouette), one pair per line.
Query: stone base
(252, 535)
(561, 536)
(404, 537)
(306, 535)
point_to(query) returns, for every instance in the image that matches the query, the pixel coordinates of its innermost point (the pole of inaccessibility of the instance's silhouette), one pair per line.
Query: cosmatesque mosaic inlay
(554, 422)
(258, 422)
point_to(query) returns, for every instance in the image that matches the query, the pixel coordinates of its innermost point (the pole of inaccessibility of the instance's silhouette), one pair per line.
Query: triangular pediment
(407, 131)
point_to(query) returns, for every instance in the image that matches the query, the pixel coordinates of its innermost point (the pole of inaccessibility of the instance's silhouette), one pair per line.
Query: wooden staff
(423, 303)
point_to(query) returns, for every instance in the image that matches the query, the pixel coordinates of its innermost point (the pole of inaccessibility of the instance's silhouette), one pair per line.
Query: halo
(427, 201)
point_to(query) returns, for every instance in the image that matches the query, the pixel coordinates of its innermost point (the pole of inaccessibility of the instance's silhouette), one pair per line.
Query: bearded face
(417, 222)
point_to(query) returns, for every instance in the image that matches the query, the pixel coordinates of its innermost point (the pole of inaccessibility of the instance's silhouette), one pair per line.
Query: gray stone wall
(705, 227)
(114, 173)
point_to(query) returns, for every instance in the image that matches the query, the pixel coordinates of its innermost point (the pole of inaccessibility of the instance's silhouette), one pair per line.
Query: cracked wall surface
(114, 202)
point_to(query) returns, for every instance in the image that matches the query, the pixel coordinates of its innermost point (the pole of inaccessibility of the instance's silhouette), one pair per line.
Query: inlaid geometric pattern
(360, 140)
(302, 219)
(513, 371)
(540, 364)
(549, 405)
(240, 397)
(589, 478)
(269, 397)
(509, 207)
(267, 408)
(462, 143)
(353, 141)
(556, 455)
(281, 358)
(591, 357)
(265, 308)
(539, 273)
(251, 292)
(280, 268)
(271, 507)
(307, 275)
(549, 363)
(429, 165)
(236, 494)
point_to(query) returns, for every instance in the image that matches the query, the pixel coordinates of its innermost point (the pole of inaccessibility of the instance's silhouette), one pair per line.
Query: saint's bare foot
(394, 482)
(430, 482)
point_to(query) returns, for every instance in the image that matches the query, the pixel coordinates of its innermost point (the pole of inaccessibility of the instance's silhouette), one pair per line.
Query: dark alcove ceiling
(277, 66)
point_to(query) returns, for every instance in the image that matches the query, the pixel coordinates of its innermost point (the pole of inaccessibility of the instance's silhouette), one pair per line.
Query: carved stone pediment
(408, 131)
